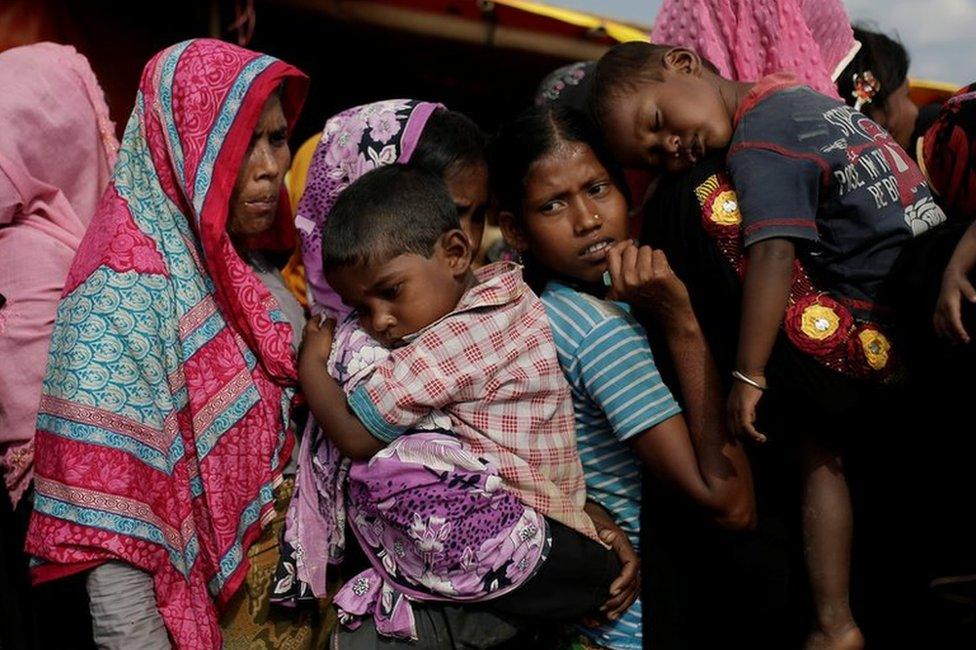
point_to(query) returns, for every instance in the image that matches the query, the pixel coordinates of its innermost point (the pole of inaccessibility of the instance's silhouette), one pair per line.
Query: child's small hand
(643, 277)
(317, 340)
(741, 410)
(947, 320)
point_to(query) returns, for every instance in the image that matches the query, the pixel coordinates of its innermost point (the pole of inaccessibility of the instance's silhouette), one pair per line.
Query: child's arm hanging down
(697, 456)
(956, 286)
(765, 291)
(326, 400)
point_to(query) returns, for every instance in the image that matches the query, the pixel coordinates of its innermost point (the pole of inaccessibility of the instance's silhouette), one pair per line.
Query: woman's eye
(599, 189)
(550, 208)
(279, 136)
(656, 123)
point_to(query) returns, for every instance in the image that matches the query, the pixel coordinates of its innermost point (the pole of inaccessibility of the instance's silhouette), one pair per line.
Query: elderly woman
(163, 428)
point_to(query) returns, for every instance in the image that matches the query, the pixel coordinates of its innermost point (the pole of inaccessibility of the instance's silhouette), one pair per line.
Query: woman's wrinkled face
(254, 201)
(572, 213)
(898, 116)
(468, 187)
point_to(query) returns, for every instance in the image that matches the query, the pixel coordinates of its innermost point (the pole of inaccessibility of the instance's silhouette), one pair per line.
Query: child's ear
(457, 251)
(512, 231)
(680, 59)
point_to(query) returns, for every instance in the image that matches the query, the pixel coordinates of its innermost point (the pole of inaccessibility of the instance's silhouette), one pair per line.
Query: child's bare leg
(827, 530)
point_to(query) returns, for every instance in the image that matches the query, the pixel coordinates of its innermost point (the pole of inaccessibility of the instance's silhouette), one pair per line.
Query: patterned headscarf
(749, 39)
(57, 148)
(949, 154)
(163, 420)
(353, 142)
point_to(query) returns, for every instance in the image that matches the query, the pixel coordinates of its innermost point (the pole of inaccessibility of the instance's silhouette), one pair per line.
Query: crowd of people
(256, 401)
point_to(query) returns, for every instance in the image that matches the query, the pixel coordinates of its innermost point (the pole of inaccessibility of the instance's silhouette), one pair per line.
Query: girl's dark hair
(530, 136)
(887, 60)
(449, 138)
(527, 138)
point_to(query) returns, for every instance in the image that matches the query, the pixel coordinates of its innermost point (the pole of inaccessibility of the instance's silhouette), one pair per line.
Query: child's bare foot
(848, 638)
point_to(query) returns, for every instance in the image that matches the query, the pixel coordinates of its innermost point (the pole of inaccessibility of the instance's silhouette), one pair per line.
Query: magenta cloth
(749, 39)
(353, 142)
(57, 149)
(163, 424)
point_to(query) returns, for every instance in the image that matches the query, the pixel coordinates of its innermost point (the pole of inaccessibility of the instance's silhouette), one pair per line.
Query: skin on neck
(733, 93)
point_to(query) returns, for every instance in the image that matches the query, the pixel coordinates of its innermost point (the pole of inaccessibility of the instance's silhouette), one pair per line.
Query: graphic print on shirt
(881, 168)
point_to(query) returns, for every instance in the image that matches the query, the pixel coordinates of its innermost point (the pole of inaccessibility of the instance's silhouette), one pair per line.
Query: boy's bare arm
(326, 400)
(765, 291)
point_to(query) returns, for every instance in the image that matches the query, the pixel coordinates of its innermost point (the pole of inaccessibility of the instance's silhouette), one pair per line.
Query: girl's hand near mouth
(642, 277)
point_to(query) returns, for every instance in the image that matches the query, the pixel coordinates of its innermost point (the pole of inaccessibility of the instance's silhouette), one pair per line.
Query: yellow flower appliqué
(725, 209)
(819, 322)
(876, 347)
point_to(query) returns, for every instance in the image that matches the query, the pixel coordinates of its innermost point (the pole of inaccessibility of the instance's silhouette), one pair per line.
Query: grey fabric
(123, 609)
(275, 283)
(442, 627)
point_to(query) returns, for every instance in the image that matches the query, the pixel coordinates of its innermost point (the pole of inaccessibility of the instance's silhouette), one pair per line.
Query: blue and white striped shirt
(617, 394)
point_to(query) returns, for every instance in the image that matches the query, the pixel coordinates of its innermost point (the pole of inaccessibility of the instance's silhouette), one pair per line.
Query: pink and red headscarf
(163, 422)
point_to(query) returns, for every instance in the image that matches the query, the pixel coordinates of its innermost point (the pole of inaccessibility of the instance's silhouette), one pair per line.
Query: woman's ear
(457, 251)
(681, 59)
(512, 231)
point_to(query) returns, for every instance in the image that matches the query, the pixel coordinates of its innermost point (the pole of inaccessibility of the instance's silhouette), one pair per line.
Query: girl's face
(468, 187)
(254, 201)
(669, 124)
(572, 213)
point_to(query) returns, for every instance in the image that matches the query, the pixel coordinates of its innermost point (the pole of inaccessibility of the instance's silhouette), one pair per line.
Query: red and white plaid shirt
(490, 365)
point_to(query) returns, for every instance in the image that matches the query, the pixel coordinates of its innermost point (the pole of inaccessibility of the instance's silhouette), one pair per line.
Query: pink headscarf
(749, 39)
(57, 149)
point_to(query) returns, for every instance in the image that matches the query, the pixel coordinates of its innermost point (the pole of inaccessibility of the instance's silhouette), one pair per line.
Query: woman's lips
(596, 251)
(262, 205)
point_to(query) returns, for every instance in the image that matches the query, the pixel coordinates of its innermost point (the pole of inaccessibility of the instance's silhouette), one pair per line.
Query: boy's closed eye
(390, 292)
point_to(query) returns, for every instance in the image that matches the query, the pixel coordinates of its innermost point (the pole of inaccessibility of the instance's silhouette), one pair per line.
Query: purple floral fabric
(435, 521)
(353, 142)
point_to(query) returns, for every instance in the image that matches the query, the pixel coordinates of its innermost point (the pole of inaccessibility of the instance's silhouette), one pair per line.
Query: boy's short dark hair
(625, 66)
(389, 211)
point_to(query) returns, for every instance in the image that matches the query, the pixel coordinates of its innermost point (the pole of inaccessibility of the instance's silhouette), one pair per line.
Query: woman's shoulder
(578, 313)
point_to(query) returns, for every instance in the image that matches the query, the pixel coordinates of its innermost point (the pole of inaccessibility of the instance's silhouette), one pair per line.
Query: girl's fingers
(661, 267)
(645, 264)
(629, 260)
(615, 264)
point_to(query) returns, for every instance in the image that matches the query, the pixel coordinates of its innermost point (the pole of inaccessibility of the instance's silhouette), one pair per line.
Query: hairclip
(865, 88)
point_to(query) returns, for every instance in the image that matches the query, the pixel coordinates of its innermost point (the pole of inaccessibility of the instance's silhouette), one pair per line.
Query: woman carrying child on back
(816, 182)
(441, 511)
(563, 209)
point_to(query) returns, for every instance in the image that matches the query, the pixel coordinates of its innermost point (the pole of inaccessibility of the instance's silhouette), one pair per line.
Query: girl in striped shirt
(563, 208)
